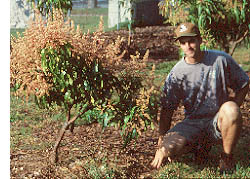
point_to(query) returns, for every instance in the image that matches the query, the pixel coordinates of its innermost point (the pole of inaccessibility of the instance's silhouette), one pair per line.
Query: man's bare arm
(165, 122)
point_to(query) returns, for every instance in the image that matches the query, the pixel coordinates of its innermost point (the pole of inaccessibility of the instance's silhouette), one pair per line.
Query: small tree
(62, 66)
(223, 23)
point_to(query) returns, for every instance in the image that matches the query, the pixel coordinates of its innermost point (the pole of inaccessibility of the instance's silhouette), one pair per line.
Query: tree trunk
(73, 124)
(92, 4)
(54, 157)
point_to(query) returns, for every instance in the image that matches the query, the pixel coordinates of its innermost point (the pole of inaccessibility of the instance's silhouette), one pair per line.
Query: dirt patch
(159, 40)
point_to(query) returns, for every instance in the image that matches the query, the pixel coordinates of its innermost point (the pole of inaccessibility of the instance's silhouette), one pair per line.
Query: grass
(90, 23)
(242, 56)
(94, 11)
(15, 31)
(89, 19)
(183, 170)
(22, 108)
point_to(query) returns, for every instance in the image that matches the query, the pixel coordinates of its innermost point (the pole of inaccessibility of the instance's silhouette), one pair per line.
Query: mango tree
(223, 23)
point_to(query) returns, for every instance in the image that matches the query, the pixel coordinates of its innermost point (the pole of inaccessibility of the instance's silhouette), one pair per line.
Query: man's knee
(173, 143)
(230, 113)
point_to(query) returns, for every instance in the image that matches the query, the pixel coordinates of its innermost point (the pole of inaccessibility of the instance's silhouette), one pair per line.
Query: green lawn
(89, 22)
(14, 32)
(242, 56)
(94, 11)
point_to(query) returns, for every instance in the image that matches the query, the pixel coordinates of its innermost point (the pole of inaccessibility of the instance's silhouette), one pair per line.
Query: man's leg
(229, 123)
(175, 144)
(178, 140)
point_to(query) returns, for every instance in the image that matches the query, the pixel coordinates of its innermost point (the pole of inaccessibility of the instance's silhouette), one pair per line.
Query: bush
(60, 65)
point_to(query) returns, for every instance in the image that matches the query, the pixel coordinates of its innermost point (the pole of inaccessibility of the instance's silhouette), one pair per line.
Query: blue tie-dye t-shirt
(203, 87)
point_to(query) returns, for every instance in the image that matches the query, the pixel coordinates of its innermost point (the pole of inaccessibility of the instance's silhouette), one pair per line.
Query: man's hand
(159, 156)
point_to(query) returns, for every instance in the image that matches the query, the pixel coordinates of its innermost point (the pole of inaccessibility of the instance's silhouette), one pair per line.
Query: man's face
(190, 46)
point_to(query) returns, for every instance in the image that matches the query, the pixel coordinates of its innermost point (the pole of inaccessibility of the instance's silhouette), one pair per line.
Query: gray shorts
(195, 129)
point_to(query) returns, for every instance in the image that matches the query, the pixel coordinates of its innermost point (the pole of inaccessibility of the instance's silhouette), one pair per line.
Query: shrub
(60, 65)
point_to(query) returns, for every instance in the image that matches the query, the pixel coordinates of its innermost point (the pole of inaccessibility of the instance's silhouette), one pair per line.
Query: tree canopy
(45, 6)
(224, 24)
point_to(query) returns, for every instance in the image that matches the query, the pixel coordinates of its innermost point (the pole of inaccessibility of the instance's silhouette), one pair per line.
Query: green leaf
(106, 120)
(152, 126)
(101, 83)
(237, 15)
(92, 100)
(40, 2)
(243, 15)
(200, 22)
(67, 97)
(63, 73)
(133, 111)
(96, 67)
(208, 12)
(126, 119)
(68, 51)
(70, 81)
(43, 62)
(236, 12)
(199, 9)
(86, 85)
(210, 19)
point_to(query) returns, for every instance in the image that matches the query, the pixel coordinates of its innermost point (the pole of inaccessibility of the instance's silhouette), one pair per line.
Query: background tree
(44, 6)
(224, 24)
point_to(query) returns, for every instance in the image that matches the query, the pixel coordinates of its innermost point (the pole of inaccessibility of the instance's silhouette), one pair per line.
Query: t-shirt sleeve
(238, 79)
(171, 96)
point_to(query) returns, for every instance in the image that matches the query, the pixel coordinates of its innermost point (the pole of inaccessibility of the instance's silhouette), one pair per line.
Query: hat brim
(186, 35)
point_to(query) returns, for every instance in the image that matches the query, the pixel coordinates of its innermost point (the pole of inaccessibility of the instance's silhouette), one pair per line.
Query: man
(201, 80)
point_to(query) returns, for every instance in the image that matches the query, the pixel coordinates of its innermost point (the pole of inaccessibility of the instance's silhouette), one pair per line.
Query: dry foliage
(25, 56)
(54, 32)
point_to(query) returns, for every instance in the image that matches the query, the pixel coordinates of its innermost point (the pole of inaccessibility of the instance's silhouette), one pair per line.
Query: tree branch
(235, 43)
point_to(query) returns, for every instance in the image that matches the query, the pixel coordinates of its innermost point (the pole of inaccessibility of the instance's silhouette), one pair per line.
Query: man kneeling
(201, 80)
